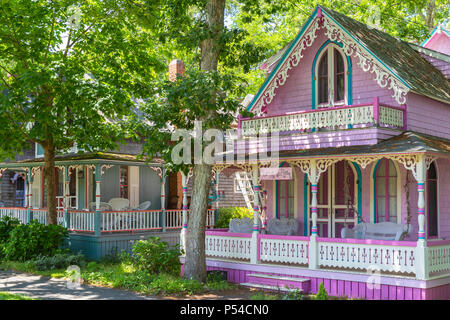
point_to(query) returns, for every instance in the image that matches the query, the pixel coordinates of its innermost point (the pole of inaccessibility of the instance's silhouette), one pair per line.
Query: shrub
(7, 224)
(225, 215)
(322, 294)
(28, 241)
(155, 256)
(59, 261)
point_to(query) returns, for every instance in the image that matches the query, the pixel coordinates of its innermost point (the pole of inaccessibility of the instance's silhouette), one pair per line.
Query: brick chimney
(176, 68)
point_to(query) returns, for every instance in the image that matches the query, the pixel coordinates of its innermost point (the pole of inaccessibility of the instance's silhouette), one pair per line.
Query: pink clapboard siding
(441, 65)
(356, 286)
(439, 42)
(428, 116)
(322, 139)
(295, 94)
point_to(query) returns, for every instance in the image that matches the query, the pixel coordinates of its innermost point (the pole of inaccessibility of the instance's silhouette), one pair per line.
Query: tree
(69, 70)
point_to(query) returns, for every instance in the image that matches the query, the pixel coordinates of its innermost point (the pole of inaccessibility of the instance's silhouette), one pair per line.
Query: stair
(277, 283)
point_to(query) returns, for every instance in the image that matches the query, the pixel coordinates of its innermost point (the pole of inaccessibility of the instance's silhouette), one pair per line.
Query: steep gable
(372, 50)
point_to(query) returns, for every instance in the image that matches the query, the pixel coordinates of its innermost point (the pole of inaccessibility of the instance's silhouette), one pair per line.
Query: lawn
(10, 296)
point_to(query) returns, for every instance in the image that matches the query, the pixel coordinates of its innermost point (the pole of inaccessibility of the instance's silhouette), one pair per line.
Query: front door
(336, 200)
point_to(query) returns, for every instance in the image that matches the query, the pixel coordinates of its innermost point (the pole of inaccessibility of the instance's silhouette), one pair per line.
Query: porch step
(267, 287)
(279, 282)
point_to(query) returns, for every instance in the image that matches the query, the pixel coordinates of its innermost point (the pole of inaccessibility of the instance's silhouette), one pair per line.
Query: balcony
(329, 119)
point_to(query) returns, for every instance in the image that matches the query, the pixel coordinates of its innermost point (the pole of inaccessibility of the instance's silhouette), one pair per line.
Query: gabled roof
(397, 57)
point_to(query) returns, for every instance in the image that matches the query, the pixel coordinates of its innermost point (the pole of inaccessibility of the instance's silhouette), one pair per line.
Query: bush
(322, 293)
(59, 261)
(155, 256)
(7, 224)
(28, 241)
(225, 215)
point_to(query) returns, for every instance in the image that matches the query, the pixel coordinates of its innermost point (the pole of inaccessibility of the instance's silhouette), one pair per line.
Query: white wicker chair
(118, 204)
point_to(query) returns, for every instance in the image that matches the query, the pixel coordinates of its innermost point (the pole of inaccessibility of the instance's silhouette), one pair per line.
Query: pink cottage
(362, 203)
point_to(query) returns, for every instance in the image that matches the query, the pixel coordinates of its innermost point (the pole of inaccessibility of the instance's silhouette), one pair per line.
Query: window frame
(437, 202)
(329, 49)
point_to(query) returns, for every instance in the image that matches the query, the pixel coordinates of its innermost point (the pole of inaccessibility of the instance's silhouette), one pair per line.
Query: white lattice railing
(81, 220)
(41, 216)
(338, 117)
(377, 255)
(438, 258)
(283, 249)
(130, 220)
(228, 245)
(18, 213)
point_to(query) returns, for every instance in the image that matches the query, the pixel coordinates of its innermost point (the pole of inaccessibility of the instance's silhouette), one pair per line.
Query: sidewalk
(56, 289)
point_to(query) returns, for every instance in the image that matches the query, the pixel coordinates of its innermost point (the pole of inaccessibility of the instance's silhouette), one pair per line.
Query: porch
(415, 266)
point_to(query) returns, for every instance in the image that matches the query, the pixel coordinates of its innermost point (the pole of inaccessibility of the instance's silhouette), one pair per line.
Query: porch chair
(377, 231)
(118, 204)
(244, 225)
(144, 205)
(283, 226)
(103, 206)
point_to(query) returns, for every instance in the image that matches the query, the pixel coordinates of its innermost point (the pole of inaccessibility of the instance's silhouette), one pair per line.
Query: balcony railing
(336, 118)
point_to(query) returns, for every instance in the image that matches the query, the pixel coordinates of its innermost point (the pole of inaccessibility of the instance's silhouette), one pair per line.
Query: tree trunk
(195, 262)
(50, 183)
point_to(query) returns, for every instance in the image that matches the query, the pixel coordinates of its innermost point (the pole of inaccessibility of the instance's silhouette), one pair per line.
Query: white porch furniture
(283, 226)
(378, 231)
(118, 204)
(144, 205)
(104, 206)
(244, 225)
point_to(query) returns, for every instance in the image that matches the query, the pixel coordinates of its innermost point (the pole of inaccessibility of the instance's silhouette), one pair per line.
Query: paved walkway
(56, 289)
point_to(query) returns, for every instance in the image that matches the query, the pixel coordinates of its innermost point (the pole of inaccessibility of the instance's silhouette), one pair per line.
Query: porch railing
(375, 255)
(110, 221)
(389, 257)
(336, 117)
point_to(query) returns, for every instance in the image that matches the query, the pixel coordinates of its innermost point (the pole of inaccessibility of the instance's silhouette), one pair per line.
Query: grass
(123, 275)
(10, 296)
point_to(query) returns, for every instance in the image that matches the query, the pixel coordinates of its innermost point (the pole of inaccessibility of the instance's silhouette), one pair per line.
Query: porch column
(313, 178)
(163, 199)
(185, 211)
(255, 238)
(97, 214)
(28, 195)
(216, 212)
(422, 252)
(66, 196)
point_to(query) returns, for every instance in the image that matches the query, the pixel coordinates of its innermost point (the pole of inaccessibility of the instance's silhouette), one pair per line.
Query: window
(386, 191)
(285, 196)
(124, 182)
(331, 75)
(432, 211)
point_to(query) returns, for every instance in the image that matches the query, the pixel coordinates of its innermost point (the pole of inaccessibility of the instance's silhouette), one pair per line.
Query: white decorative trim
(367, 63)
(383, 76)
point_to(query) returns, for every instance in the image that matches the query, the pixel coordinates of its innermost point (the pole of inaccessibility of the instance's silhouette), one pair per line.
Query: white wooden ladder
(245, 185)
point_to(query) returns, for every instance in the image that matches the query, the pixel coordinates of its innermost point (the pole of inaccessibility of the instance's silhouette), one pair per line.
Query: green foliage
(59, 261)
(322, 293)
(292, 294)
(264, 296)
(154, 256)
(225, 215)
(7, 224)
(28, 241)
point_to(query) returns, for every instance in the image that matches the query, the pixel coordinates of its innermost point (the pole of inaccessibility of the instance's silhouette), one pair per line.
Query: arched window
(432, 208)
(331, 75)
(386, 191)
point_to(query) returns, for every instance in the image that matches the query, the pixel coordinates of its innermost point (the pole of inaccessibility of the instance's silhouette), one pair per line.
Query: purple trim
(228, 234)
(258, 247)
(369, 241)
(433, 243)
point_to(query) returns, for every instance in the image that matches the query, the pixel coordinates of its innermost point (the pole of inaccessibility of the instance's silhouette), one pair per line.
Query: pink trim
(376, 109)
(369, 241)
(273, 236)
(434, 243)
(228, 234)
